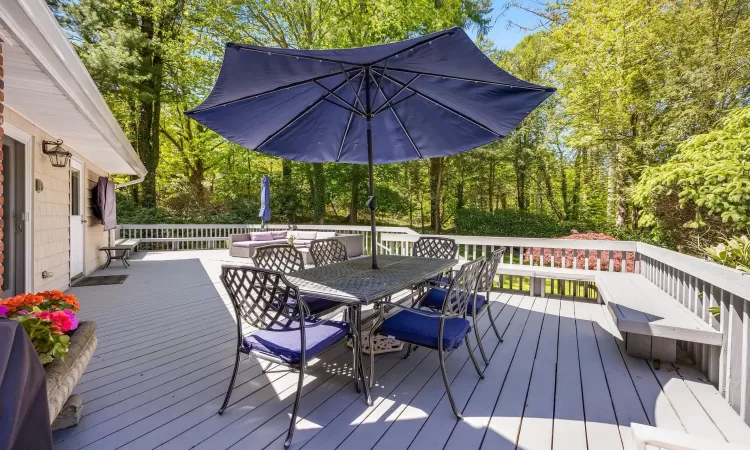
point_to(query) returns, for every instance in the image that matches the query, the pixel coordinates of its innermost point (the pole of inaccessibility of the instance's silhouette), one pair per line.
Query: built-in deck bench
(538, 274)
(651, 320)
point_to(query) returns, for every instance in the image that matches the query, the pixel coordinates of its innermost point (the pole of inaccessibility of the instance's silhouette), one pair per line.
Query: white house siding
(51, 214)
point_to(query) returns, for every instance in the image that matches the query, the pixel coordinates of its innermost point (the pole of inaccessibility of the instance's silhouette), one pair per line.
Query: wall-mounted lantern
(57, 155)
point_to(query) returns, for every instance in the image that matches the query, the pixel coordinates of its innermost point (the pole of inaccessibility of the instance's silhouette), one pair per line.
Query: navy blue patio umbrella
(265, 201)
(432, 96)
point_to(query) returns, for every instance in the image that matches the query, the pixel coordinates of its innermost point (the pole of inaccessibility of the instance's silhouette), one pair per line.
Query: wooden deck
(560, 379)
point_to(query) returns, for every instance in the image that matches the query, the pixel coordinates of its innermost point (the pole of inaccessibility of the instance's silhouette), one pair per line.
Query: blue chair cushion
(317, 305)
(423, 329)
(436, 296)
(286, 344)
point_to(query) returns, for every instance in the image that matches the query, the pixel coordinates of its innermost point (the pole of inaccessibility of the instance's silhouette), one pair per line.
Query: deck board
(560, 379)
(569, 421)
(536, 423)
(504, 420)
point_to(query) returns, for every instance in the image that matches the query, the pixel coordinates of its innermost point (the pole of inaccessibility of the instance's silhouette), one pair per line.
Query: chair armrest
(239, 238)
(414, 310)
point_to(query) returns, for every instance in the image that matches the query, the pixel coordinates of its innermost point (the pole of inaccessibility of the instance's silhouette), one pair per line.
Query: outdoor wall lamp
(57, 155)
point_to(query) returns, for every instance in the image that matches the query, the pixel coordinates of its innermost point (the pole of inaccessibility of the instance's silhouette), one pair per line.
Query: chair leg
(492, 318)
(293, 423)
(479, 340)
(371, 381)
(447, 384)
(231, 383)
(473, 359)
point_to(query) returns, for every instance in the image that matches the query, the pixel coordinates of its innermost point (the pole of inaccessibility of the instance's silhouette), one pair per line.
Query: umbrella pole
(371, 200)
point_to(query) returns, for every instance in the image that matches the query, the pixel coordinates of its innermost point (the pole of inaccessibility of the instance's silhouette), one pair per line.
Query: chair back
(435, 247)
(327, 251)
(462, 288)
(282, 258)
(263, 298)
(489, 271)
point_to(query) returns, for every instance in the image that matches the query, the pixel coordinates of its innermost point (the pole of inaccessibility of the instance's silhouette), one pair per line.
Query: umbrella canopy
(265, 200)
(432, 96)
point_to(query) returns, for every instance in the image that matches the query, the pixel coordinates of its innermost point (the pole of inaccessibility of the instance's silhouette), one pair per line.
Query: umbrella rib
(281, 88)
(313, 58)
(349, 82)
(403, 99)
(385, 105)
(447, 108)
(412, 47)
(302, 113)
(402, 125)
(377, 84)
(349, 123)
(348, 106)
(494, 83)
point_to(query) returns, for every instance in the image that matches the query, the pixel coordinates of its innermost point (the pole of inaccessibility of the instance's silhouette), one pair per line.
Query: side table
(112, 253)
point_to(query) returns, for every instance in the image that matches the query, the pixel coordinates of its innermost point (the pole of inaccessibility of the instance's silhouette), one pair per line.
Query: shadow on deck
(561, 379)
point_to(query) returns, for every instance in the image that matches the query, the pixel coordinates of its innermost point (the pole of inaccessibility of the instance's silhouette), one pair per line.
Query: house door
(14, 214)
(76, 218)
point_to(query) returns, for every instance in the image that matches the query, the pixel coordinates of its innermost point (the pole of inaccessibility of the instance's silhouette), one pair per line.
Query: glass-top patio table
(356, 283)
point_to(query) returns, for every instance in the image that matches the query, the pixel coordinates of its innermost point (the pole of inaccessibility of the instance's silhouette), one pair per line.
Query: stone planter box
(62, 377)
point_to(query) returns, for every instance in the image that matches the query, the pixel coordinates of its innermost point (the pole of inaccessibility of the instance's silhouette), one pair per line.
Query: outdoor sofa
(244, 245)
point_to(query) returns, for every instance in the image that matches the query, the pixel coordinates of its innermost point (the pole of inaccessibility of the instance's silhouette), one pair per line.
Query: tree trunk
(564, 190)
(520, 185)
(409, 189)
(575, 201)
(149, 115)
(436, 181)
(319, 193)
(491, 185)
(354, 205)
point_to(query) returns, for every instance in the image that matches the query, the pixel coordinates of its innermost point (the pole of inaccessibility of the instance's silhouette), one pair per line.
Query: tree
(710, 177)
(126, 45)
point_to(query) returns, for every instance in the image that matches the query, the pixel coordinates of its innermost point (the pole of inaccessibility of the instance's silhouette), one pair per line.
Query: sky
(506, 37)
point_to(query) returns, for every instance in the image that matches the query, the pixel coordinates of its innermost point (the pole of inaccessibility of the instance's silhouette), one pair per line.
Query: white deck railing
(695, 283)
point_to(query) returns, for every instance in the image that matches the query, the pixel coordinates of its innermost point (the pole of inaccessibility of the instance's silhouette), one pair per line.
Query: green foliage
(130, 212)
(509, 222)
(709, 176)
(636, 80)
(733, 252)
(48, 345)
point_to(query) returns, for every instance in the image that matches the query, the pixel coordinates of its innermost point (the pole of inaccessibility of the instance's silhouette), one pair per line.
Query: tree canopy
(647, 133)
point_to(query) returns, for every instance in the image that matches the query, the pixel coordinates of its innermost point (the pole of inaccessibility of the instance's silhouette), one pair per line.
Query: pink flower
(73, 319)
(61, 320)
(3, 310)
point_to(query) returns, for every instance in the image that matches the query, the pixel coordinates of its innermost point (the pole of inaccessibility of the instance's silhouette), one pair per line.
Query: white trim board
(27, 140)
(42, 47)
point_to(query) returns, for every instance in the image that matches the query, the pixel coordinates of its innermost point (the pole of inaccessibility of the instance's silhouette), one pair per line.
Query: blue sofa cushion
(423, 330)
(287, 345)
(436, 296)
(317, 305)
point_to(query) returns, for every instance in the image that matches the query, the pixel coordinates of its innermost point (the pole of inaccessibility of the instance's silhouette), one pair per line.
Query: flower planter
(63, 375)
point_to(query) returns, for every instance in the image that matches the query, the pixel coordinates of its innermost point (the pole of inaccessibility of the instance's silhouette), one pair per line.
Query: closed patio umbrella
(432, 96)
(265, 200)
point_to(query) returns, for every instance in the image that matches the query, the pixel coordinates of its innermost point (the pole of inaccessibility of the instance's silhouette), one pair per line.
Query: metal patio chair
(435, 296)
(435, 247)
(442, 331)
(285, 258)
(327, 251)
(286, 334)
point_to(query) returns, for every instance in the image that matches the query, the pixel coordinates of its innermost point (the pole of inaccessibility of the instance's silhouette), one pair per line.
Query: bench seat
(129, 242)
(539, 273)
(652, 319)
(555, 273)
